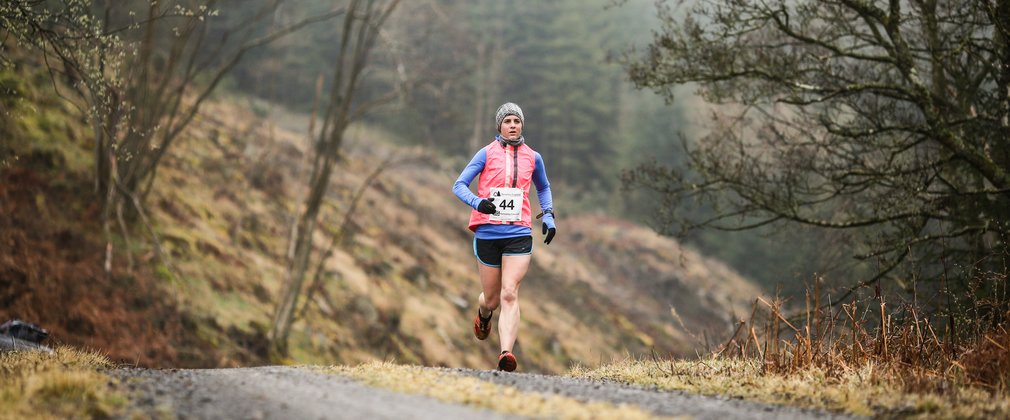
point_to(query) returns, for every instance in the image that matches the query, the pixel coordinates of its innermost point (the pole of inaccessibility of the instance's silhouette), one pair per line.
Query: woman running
(501, 222)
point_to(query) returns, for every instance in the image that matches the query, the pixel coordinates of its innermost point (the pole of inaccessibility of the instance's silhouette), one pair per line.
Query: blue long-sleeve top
(495, 231)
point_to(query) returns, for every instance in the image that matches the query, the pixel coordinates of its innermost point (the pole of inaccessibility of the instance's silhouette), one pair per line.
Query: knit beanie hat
(507, 109)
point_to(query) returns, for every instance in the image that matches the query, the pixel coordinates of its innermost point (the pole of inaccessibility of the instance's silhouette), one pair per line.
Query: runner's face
(511, 127)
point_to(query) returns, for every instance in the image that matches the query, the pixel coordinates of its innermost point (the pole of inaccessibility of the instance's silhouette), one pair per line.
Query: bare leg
(490, 281)
(513, 270)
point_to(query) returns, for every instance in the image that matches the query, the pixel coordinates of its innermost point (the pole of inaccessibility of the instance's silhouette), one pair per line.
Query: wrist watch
(548, 211)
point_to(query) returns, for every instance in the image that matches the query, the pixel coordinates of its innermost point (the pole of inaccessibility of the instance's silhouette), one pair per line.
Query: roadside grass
(453, 388)
(861, 358)
(866, 390)
(64, 384)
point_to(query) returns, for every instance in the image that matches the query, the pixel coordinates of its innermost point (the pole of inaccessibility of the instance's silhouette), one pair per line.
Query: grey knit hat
(507, 108)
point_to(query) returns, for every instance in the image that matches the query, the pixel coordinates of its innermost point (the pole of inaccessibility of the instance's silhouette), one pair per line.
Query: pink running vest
(509, 166)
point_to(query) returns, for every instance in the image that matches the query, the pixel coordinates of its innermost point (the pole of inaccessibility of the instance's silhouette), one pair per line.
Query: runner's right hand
(486, 206)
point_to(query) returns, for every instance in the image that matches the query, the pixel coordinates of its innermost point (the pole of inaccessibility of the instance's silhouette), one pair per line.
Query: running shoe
(482, 326)
(507, 361)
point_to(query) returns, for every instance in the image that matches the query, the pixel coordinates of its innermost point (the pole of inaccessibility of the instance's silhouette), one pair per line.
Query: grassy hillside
(51, 246)
(401, 284)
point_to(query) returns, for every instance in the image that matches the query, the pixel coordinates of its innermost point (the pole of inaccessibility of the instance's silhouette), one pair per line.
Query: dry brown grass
(864, 357)
(64, 384)
(865, 390)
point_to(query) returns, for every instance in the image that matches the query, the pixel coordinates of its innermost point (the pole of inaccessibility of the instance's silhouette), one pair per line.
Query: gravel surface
(275, 392)
(663, 403)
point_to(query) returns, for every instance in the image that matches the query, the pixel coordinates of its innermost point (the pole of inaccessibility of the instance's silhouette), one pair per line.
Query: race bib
(509, 203)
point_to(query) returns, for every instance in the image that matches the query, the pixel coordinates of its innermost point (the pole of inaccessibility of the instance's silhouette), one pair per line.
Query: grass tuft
(65, 383)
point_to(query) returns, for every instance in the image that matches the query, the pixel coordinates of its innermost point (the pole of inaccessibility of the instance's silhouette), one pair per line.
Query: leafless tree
(885, 117)
(358, 34)
(142, 77)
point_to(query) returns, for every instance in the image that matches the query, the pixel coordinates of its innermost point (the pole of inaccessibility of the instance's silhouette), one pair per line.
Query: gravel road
(276, 392)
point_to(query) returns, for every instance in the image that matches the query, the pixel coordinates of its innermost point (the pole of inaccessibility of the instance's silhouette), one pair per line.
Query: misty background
(562, 61)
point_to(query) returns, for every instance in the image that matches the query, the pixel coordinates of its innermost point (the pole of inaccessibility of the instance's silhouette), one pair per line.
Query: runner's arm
(543, 186)
(462, 185)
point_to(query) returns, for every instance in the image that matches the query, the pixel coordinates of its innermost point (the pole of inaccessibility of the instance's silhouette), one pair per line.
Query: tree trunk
(480, 97)
(300, 262)
(356, 44)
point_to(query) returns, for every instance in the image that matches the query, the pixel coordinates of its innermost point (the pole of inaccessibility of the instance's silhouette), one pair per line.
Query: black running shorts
(490, 251)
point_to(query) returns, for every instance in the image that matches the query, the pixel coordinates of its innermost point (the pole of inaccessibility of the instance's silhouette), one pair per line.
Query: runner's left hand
(549, 228)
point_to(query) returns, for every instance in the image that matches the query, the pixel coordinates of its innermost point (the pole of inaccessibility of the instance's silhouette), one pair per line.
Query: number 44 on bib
(509, 202)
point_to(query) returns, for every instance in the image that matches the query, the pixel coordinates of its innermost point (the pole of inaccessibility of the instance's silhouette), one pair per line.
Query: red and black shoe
(482, 326)
(507, 361)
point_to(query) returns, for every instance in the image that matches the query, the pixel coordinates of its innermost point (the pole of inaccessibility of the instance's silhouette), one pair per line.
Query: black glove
(486, 206)
(549, 228)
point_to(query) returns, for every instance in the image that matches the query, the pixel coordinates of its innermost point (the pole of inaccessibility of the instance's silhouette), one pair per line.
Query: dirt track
(276, 392)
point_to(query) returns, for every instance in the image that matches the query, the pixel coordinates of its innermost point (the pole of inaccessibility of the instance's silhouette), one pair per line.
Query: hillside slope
(402, 283)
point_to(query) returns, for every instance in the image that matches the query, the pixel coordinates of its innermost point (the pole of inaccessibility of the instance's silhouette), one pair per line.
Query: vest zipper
(515, 166)
(508, 169)
(515, 172)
